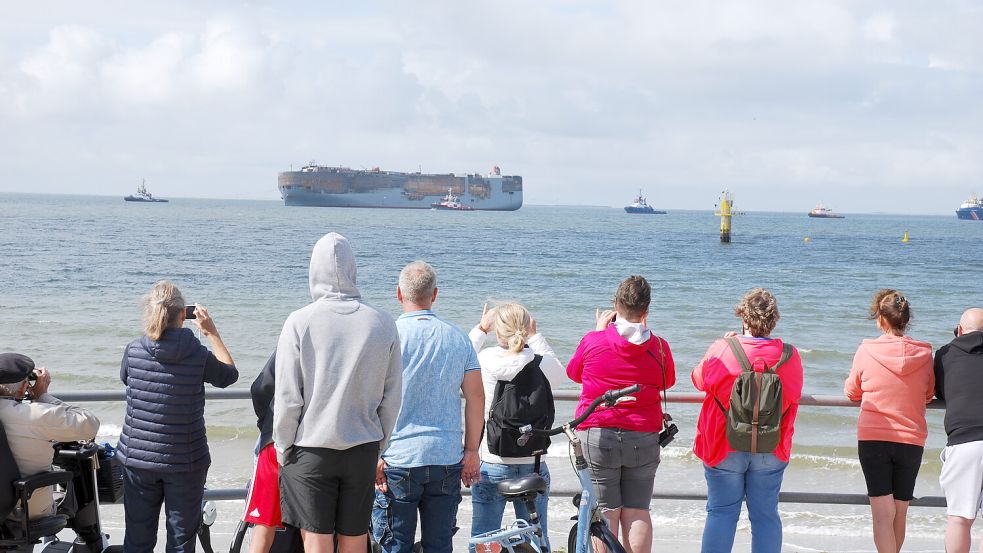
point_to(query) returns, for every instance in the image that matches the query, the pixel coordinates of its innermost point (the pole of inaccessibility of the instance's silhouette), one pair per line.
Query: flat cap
(14, 367)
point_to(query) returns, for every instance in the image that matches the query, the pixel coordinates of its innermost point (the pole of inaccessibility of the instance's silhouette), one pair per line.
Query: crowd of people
(372, 424)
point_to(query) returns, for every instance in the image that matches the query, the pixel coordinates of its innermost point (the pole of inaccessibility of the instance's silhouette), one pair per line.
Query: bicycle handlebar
(608, 398)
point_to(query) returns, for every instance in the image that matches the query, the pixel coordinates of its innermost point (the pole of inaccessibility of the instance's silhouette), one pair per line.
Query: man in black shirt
(959, 381)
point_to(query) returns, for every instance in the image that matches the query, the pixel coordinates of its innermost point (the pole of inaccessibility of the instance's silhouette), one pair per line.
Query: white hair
(418, 281)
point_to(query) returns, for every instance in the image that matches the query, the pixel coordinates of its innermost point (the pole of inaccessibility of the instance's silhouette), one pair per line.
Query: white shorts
(962, 478)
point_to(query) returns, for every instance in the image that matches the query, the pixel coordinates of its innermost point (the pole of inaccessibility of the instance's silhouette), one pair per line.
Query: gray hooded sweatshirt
(338, 363)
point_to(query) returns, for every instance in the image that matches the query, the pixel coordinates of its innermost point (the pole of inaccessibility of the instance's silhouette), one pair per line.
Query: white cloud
(588, 100)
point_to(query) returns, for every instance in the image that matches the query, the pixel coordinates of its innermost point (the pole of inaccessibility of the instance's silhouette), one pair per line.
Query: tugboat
(143, 196)
(821, 212)
(450, 203)
(971, 209)
(642, 206)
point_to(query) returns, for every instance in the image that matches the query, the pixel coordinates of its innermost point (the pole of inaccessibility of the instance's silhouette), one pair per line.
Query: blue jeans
(488, 506)
(434, 490)
(756, 478)
(180, 493)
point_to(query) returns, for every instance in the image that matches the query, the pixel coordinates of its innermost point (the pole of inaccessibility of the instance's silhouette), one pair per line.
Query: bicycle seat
(524, 486)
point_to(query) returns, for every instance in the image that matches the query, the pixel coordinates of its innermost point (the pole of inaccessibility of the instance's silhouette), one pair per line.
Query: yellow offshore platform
(725, 204)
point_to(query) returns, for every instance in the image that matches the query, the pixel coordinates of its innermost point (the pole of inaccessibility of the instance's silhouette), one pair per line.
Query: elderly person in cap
(32, 426)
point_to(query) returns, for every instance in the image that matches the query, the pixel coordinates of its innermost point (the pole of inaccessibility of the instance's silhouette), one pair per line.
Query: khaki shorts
(962, 478)
(622, 465)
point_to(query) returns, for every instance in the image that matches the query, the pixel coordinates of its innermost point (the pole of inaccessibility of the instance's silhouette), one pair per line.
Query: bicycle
(526, 536)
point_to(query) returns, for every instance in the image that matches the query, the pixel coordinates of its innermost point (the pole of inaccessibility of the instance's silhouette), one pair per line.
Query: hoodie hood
(971, 342)
(174, 345)
(623, 347)
(899, 354)
(333, 274)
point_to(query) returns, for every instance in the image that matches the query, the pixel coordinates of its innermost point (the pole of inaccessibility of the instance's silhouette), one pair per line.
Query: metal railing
(807, 400)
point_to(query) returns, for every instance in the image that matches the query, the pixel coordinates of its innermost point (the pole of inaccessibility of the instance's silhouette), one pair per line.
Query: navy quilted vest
(164, 429)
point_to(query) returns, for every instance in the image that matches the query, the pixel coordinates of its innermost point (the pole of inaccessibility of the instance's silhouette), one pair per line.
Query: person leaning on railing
(735, 476)
(893, 379)
(163, 445)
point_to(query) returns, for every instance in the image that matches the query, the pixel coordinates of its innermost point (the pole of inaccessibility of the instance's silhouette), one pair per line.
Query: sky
(868, 106)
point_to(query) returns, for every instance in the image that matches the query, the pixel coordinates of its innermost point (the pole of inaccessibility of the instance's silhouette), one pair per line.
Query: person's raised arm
(207, 326)
(479, 334)
(474, 421)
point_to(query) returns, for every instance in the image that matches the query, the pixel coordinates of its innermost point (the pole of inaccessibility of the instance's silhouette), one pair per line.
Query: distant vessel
(640, 205)
(317, 185)
(971, 209)
(143, 196)
(450, 202)
(821, 212)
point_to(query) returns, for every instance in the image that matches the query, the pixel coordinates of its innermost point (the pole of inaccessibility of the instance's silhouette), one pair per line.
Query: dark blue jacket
(164, 429)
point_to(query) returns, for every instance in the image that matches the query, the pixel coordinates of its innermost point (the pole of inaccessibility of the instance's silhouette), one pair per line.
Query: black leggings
(890, 468)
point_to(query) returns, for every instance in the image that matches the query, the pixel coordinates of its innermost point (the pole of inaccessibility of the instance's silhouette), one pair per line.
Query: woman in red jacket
(622, 443)
(732, 476)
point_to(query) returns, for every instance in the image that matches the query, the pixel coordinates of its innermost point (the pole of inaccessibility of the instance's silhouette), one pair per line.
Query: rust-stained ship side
(316, 185)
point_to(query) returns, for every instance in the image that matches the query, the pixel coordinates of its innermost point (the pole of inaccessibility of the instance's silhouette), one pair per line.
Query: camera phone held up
(189, 312)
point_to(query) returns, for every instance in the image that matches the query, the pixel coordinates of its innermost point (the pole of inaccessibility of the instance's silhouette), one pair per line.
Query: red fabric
(263, 503)
(606, 361)
(715, 375)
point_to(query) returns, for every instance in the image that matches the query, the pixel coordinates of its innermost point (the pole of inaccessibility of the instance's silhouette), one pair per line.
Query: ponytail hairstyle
(893, 306)
(162, 308)
(512, 326)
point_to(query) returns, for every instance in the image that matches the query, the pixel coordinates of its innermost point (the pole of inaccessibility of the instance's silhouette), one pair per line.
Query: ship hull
(970, 213)
(644, 210)
(339, 187)
(144, 200)
(825, 216)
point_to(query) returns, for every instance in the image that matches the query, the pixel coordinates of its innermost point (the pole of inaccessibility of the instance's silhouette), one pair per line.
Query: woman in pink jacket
(893, 378)
(735, 477)
(622, 442)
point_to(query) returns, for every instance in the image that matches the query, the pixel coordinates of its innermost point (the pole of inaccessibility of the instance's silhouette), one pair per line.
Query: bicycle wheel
(601, 531)
(241, 538)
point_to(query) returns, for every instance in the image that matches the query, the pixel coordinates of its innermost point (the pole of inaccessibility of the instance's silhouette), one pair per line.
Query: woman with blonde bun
(163, 445)
(518, 344)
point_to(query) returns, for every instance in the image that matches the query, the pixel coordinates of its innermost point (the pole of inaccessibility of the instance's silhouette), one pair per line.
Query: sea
(73, 270)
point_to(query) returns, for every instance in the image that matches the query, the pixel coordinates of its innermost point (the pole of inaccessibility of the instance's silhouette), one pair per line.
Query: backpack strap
(786, 355)
(735, 346)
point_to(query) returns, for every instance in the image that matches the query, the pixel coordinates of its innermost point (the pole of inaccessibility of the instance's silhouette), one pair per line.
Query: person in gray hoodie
(337, 394)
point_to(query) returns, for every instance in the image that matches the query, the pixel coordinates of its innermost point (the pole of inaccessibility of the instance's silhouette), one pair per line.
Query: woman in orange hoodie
(893, 378)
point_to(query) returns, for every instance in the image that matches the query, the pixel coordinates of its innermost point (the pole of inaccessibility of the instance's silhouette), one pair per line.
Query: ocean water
(74, 268)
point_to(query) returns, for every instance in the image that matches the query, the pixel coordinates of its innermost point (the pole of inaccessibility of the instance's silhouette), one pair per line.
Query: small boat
(640, 205)
(451, 203)
(143, 196)
(971, 209)
(821, 212)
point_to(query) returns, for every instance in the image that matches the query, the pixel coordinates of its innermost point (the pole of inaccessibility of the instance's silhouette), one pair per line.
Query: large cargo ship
(317, 185)
(971, 209)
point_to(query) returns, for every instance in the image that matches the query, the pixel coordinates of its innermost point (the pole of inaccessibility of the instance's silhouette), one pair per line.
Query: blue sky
(867, 106)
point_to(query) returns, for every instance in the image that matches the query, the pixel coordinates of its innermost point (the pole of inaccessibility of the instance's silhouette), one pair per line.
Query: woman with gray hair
(734, 474)
(163, 445)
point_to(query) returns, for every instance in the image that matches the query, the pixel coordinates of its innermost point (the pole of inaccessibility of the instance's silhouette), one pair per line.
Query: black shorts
(890, 468)
(328, 490)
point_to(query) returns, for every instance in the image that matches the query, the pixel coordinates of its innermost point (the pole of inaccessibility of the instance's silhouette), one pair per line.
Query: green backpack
(754, 420)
